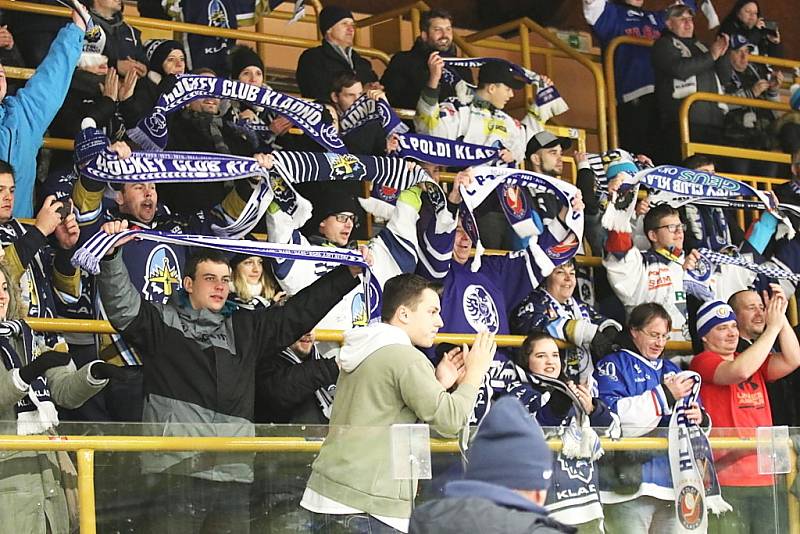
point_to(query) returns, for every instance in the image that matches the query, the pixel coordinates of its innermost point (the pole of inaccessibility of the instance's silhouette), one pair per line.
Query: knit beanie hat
(241, 57)
(330, 15)
(509, 449)
(794, 100)
(621, 166)
(157, 50)
(711, 314)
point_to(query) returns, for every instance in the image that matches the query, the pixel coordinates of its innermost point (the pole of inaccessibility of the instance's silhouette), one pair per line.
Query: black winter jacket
(318, 66)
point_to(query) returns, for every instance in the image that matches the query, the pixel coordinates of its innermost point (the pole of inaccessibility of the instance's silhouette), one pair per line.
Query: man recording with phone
(42, 269)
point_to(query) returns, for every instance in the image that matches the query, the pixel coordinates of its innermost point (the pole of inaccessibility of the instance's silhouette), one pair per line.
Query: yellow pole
(525, 44)
(88, 521)
(415, 29)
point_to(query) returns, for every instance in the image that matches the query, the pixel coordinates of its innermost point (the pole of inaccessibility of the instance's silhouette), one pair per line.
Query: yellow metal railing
(86, 446)
(608, 67)
(198, 29)
(688, 148)
(524, 26)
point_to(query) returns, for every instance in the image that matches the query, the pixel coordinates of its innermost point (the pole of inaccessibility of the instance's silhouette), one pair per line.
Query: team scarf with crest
(517, 189)
(89, 256)
(35, 412)
(691, 463)
(151, 131)
(95, 161)
(548, 100)
(421, 147)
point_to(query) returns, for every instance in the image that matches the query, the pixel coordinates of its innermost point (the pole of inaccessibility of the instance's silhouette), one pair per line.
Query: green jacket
(31, 483)
(384, 381)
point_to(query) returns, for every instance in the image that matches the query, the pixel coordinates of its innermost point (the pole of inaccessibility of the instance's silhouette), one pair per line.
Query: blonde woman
(253, 285)
(32, 484)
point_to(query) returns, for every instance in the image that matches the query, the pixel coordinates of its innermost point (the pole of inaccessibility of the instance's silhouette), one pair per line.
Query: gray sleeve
(120, 298)
(70, 387)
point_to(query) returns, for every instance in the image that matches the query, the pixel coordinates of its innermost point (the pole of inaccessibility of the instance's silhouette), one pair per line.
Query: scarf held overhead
(550, 250)
(151, 131)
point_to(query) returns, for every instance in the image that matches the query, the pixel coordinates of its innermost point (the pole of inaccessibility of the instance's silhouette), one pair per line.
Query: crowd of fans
(210, 343)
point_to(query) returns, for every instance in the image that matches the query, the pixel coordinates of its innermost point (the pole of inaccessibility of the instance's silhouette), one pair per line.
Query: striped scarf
(35, 412)
(323, 394)
(151, 132)
(769, 270)
(691, 462)
(88, 257)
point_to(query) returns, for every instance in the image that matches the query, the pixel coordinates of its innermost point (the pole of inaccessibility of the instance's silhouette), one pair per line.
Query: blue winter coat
(25, 116)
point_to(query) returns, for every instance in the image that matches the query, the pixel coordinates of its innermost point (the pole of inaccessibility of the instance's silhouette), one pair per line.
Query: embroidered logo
(345, 167)
(480, 309)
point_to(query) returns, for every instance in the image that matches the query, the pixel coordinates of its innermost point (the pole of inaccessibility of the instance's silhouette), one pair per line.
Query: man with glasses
(683, 66)
(659, 274)
(331, 225)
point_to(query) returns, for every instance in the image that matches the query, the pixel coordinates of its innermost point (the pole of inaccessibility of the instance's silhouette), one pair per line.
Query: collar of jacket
(203, 319)
(321, 241)
(484, 104)
(115, 20)
(343, 54)
(422, 48)
(497, 494)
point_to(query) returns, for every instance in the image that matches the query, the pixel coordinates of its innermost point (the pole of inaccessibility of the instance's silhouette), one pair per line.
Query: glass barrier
(254, 483)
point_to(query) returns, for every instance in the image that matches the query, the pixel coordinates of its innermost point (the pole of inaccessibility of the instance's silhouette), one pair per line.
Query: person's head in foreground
(411, 303)
(649, 326)
(716, 327)
(207, 280)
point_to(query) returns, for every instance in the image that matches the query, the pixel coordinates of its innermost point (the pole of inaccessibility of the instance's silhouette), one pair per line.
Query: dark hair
(733, 14)
(6, 168)
(435, 13)
(404, 290)
(653, 218)
(201, 255)
(733, 298)
(697, 161)
(204, 70)
(644, 313)
(343, 81)
(523, 352)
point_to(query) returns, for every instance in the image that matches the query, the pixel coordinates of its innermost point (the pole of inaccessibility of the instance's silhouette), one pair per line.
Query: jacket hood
(497, 494)
(361, 342)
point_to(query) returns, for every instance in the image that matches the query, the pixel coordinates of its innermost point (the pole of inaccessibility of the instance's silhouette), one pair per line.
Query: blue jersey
(631, 386)
(633, 70)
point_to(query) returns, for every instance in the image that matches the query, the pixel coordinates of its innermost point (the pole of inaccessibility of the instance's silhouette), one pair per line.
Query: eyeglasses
(655, 336)
(344, 217)
(673, 228)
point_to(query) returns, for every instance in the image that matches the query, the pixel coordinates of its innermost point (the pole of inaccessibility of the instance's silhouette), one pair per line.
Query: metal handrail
(172, 26)
(86, 446)
(608, 66)
(611, 82)
(594, 68)
(688, 148)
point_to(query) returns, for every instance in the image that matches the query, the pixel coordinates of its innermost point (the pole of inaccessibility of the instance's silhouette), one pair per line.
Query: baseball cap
(738, 41)
(545, 139)
(499, 72)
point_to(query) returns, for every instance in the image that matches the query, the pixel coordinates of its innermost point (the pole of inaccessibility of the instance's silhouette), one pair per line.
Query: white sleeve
(628, 276)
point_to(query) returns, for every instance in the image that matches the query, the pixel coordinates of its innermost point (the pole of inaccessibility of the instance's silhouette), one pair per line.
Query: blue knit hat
(509, 449)
(711, 314)
(617, 167)
(794, 100)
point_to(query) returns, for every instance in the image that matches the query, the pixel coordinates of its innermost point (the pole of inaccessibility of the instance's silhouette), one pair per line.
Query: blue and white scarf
(35, 412)
(691, 462)
(767, 269)
(89, 256)
(548, 100)
(151, 131)
(420, 147)
(366, 109)
(521, 216)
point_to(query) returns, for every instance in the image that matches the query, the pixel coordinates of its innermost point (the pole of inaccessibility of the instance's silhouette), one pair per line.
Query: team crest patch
(480, 309)
(162, 274)
(358, 309)
(577, 468)
(218, 15)
(345, 167)
(690, 508)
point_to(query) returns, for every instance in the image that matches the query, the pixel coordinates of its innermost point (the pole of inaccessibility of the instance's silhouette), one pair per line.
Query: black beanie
(241, 57)
(330, 15)
(509, 449)
(157, 50)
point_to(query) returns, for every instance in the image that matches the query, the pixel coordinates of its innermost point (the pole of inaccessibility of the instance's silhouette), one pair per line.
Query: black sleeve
(587, 183)
(29, 244)
(280, 326)
(309, 79)
(282, 385)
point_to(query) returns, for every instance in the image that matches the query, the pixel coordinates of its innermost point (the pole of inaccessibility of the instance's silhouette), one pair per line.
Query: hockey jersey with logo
(631, 386)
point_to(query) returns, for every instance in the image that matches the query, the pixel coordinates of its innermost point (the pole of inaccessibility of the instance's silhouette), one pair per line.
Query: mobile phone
(771, 26)
(65, 209)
